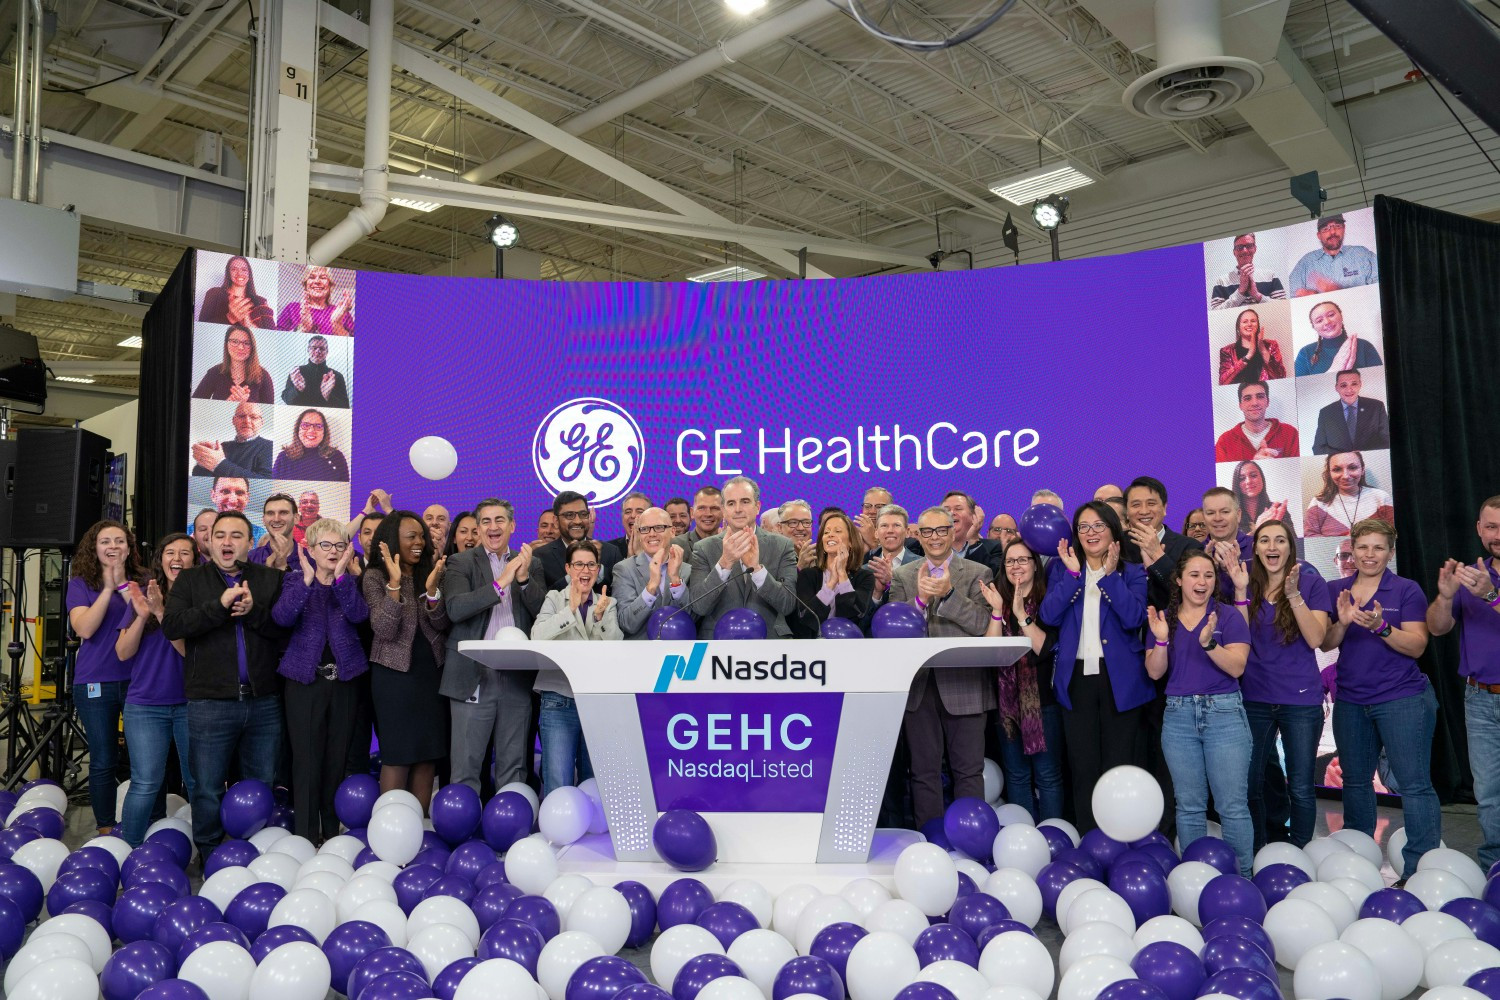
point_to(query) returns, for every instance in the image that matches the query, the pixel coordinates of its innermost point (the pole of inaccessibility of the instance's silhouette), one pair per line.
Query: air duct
(1193, 76)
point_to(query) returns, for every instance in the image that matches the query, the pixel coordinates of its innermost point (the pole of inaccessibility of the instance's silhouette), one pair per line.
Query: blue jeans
(1404, 727)
(101, 725)
(221, 731)
(1038, 772)
(1300, 726)
(150, 730)
(1482, 716)
(563, 749)
(1206, 741)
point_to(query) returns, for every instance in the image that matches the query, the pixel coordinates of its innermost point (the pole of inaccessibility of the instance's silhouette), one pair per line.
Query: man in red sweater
(1258, 436)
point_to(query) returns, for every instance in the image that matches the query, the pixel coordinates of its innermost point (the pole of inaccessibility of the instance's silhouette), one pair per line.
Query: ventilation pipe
(1193, 76)
(374, 198)
(34, 117)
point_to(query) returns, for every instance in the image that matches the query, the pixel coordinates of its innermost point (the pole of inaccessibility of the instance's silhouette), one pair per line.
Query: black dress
(411, 717)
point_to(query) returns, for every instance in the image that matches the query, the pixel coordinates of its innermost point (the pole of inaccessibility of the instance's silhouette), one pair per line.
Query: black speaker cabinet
(61, 475)
(7, 487)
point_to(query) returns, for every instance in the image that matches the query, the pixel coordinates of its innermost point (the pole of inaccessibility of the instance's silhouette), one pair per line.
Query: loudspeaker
(61, 475)
(7, 487)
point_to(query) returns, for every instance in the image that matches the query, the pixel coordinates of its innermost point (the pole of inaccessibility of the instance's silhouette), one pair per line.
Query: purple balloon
(412, 883)
(834, 627)
(602, 978)
(898, 620)
(933, 831)
(1275, 881)
(44, 820)
(726, 921)
(8, 800)
(1230, 951)
(275, 937)
(642, 912)
(536, 911)
(355, 800)
(217, 931)
(507, 818)
(491, 874)
(455, 812)
(346, 944)
(1486, 981)
(174, 840)
(246, 807)
(923, 990)
(682, 838)
(1102, 847)
(13, 838)
(137, 910)
(153, 852)
(1164, 855)
(1133, 855)
(1491, 892)
(1242, 927)
(471, 858)
(250, 910)
(1143, 887)
(509, 938)
(12, 929)
(1132, 989)
(1213, 852)
(671, 623)
(282, 817)
(133, 968)
(1052, 880)
(1154, 837)
(96, 911)
(971, 826)
(1479, 916)
(92, 857)
(976, 911)
(165, 872)
(384, 961)
(739, 623)
(681, 902)
(1042, 527)
(230, 854)
(180, 918)
(1000, 927)
(1084, 862)
(445, 983)
(833, 944)
(432, 857)
(364, 857)
(450, 885)
(1394, 905)
(966, 886)
(1231, 896)
(78, 885)
(1171, 967)
(396, 986)
(695, 974)
(490, 902)
(945, 941)
(808, 974)
(1058, 841)
(1246, 984)
(643, 991)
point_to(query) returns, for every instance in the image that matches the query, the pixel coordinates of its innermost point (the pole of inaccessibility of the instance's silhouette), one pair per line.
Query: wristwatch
(1384, 632)
(1027, 621)
(1491, 597)
(1212, 644)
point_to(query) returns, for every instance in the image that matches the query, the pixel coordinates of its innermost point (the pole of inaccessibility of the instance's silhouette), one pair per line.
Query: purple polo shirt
(97, 662)
(1189, 669)
(1280, 672)
(262, 552)
(1479, 638)
(1370, 671)
(155, 670)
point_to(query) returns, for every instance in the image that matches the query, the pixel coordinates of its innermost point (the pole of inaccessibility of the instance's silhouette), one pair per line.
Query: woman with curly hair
(321, 309)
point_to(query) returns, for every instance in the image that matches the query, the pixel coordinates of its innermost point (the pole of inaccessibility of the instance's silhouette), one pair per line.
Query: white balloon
(1321, 847)
(41, 949)
(760, 954)
(676, 945)
(58, 979)
(278, 868)
(24, 806)
(114, 845)
(1452, 962)
(927, 878)
(330, 863)
(1013, 813)
(530, 865)
(521, 788)
(327, 883)
(395, 834)
(1395, 847)
(185, 814)
(730, 988)
(344, 847)
(603, 913)
(788, 907)
(977, 872)
(1023, 848)
(1397, 958)
(266, 836)
(358, 891)
(51, 795)
(1127, 803)
(881, 965)
(175, 803)
(758, 899)
(1168, 927)
(495, 977)
(388, 916)
(222, 969)
(1295, 927)
(819, 914)
(296, 970)
(1088, 976)
(383, 870)
(225, 884)
(85, 929)
(1436, 886)
(1065, 827)
(1016, 958)
(1350, 865)
(1070, 892)
(1361, 843)
(1282, 853)
(1096, 938)
(308, 909)
(563, 890)
(1330, 900)
(898, 917)
(447, 910)
(994, 781)
(397, 796)
(1018, 891)
(1355, 890)
(42, 857)
(1431, 929)
(600, 821)
(1335, 970)
(439, 946)
(1458, 863)
(171, 823)
(963, 981)
(565, 815)
(297, 847)
(1185, 884)
(561, 957)
(1100, 905)
(1009, 992)
(1453, 993)
(433, 457)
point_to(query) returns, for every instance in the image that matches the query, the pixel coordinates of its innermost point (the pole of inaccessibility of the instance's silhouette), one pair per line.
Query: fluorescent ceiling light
(727, 272)
(80, 379)
(1055, 179)
(130, 342)
(744, 8)
(419, 204)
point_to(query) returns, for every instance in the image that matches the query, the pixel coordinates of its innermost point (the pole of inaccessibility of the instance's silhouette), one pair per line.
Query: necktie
(1351, 416)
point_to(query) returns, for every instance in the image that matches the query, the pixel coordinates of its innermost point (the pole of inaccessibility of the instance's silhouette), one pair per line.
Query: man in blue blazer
(1352, 422)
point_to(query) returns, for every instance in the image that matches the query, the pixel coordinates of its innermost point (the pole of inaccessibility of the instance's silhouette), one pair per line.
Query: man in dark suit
(945, 707)
(708, 516)
(630, 508)
(315, 384)
(1353, 422)
(745, 567)
(572, 510)
(889, 554)
(222, 609)
(485, 589)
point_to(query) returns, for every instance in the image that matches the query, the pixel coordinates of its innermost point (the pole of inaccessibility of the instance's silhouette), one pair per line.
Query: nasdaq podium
(783, 745)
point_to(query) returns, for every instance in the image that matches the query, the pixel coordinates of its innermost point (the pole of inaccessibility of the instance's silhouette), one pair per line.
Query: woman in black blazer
(838, 584)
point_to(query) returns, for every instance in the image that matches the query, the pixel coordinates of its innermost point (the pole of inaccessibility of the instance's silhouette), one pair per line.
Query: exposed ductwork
(26, 149)
(1193, 76)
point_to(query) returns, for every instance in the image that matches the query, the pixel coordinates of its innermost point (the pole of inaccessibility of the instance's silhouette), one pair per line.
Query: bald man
(436, 519)
(655, 577)
(1003, 530)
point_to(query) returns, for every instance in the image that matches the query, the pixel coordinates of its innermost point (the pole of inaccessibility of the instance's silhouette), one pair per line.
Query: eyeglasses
(333, 546)
(574, 515)
(1243, 246)
(798, 522)
(240, 342)
(587, 565)
(309, 425)
(1092, 527)
(935, 532)
(872, 506)
(1026, 561)
(651, 529)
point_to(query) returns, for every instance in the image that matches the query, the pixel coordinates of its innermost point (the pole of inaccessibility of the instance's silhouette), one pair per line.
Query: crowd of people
(1186, 653)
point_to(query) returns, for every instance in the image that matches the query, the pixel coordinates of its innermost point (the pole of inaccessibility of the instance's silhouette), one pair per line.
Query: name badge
(95, 690)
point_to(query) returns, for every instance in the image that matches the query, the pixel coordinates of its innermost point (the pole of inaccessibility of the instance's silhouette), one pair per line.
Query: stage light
(727, 272)
(130, 342)
(744, 8)
(503, 232)
(1050, 212)
(1048, 180)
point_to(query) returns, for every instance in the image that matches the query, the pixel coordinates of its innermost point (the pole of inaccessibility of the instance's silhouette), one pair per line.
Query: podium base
(593, 857)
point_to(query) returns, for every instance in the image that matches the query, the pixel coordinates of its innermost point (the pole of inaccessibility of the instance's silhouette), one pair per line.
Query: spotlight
(1050, 212)
(744, 8)
(503, 232)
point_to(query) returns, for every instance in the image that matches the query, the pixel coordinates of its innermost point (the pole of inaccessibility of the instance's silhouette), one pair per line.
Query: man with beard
(573, 518)
(1333, 266)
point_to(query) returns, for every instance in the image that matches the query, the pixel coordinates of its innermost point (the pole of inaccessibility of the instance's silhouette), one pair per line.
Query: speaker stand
(60, 745)
(15, 714)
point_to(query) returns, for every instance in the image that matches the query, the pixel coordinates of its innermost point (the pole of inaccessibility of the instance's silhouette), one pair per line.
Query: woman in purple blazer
(1097, 604)
(322, 605)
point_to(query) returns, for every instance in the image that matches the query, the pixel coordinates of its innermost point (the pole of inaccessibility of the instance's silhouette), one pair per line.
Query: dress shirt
(1090, 649)
(500, 615)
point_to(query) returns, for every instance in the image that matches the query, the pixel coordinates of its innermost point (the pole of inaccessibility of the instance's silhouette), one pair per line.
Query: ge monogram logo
(589, 446)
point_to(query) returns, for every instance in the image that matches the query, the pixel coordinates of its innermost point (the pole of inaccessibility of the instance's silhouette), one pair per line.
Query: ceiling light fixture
(80, 379)
(744, 8)
(130, 342)
(727, 272)
(1050, 212)
(1054, 179)
(503, 232)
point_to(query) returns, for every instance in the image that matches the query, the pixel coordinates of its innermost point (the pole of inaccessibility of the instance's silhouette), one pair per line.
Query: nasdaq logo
(686, 668)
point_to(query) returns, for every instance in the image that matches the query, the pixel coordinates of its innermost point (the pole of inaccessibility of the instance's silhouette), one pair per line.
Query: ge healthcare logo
(673, 665)
(590, 446)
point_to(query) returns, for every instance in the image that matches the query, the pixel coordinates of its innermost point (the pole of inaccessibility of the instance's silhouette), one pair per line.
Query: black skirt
(411, 717)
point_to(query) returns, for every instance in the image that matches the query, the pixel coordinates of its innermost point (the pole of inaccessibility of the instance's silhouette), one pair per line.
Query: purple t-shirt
(1281, 672)
(1479, 638)
(1370, 671)
(97, 662)
(1189, 669)
(156, 669)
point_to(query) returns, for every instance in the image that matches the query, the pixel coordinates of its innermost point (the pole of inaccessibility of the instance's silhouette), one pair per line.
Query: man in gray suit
(743, 568)
(654, 577)
(486, 589)
(945, 707)
(708, 515)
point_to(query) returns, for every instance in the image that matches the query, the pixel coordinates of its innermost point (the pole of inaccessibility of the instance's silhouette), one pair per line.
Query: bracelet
(123, 587)
(1242, 604)
(396, 587)
(997, 618)
(920, 603)
(1384, 632)
(1158, 644)
(1073, 573)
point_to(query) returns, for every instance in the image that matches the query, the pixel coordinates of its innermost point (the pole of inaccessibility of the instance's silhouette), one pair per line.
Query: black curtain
(161, 477)
(1440, 295)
